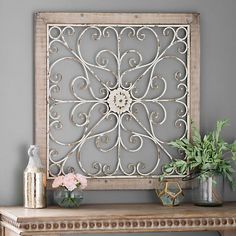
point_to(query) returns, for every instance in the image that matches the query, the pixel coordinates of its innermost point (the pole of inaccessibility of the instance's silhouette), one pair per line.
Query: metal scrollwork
(117, 99)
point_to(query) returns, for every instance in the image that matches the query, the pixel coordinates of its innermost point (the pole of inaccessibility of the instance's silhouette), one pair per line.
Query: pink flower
(71, 186)
(82, 180)
(70, 181)
(58, 181)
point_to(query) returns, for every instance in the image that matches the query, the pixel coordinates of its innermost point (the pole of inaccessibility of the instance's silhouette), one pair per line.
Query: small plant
(204, 156)
(68, 192)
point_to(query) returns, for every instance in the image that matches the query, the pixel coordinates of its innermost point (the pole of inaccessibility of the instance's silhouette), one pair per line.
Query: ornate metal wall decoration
(117, 94)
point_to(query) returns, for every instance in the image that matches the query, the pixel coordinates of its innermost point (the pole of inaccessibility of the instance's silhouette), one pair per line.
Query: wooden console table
(118, 218)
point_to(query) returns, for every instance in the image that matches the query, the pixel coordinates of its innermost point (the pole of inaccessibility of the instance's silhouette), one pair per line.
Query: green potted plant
(208, 160)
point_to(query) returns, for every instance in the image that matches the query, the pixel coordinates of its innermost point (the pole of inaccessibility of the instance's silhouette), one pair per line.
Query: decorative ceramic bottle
(34, 181)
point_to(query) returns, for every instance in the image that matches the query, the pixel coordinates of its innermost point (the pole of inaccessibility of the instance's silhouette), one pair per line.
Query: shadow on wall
(120, 196)
(21, 165)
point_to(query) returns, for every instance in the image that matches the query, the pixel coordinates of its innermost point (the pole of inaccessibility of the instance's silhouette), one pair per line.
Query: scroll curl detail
(118, 94)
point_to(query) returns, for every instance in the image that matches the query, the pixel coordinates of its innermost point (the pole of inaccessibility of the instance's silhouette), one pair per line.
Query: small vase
(208, 190)
(34, 180)
(68, 199)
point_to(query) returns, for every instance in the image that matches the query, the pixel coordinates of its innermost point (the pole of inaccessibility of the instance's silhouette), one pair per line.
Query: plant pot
(68, 199)
(208, 189)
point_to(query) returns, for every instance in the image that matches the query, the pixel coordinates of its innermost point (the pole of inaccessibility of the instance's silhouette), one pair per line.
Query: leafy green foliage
(204, 155)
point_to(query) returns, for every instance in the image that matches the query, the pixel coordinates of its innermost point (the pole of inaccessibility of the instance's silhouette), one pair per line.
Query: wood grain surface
(119, 218)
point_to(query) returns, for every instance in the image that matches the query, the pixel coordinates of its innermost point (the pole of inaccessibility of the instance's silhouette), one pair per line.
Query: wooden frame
(44, 18)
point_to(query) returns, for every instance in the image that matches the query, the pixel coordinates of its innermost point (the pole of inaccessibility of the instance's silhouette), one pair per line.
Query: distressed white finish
(120, 97)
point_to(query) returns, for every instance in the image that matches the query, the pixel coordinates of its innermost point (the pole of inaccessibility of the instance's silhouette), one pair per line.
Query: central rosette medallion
(119, 100)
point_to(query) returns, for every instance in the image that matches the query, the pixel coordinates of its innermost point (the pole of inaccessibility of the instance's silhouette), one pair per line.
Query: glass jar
(68, 199)
(170, 193)
(208, 189)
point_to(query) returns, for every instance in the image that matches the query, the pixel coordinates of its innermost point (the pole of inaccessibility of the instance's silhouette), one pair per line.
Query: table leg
(227, 233)
(8, 232)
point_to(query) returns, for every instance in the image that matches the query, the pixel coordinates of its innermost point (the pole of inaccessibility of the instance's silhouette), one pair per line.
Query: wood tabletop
(94, 211)
(101, 218)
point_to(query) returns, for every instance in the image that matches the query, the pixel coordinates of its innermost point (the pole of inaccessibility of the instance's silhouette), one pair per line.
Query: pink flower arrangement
(70, 181)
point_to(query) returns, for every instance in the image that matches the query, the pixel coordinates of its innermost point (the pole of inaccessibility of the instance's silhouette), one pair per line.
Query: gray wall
(218, 78)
